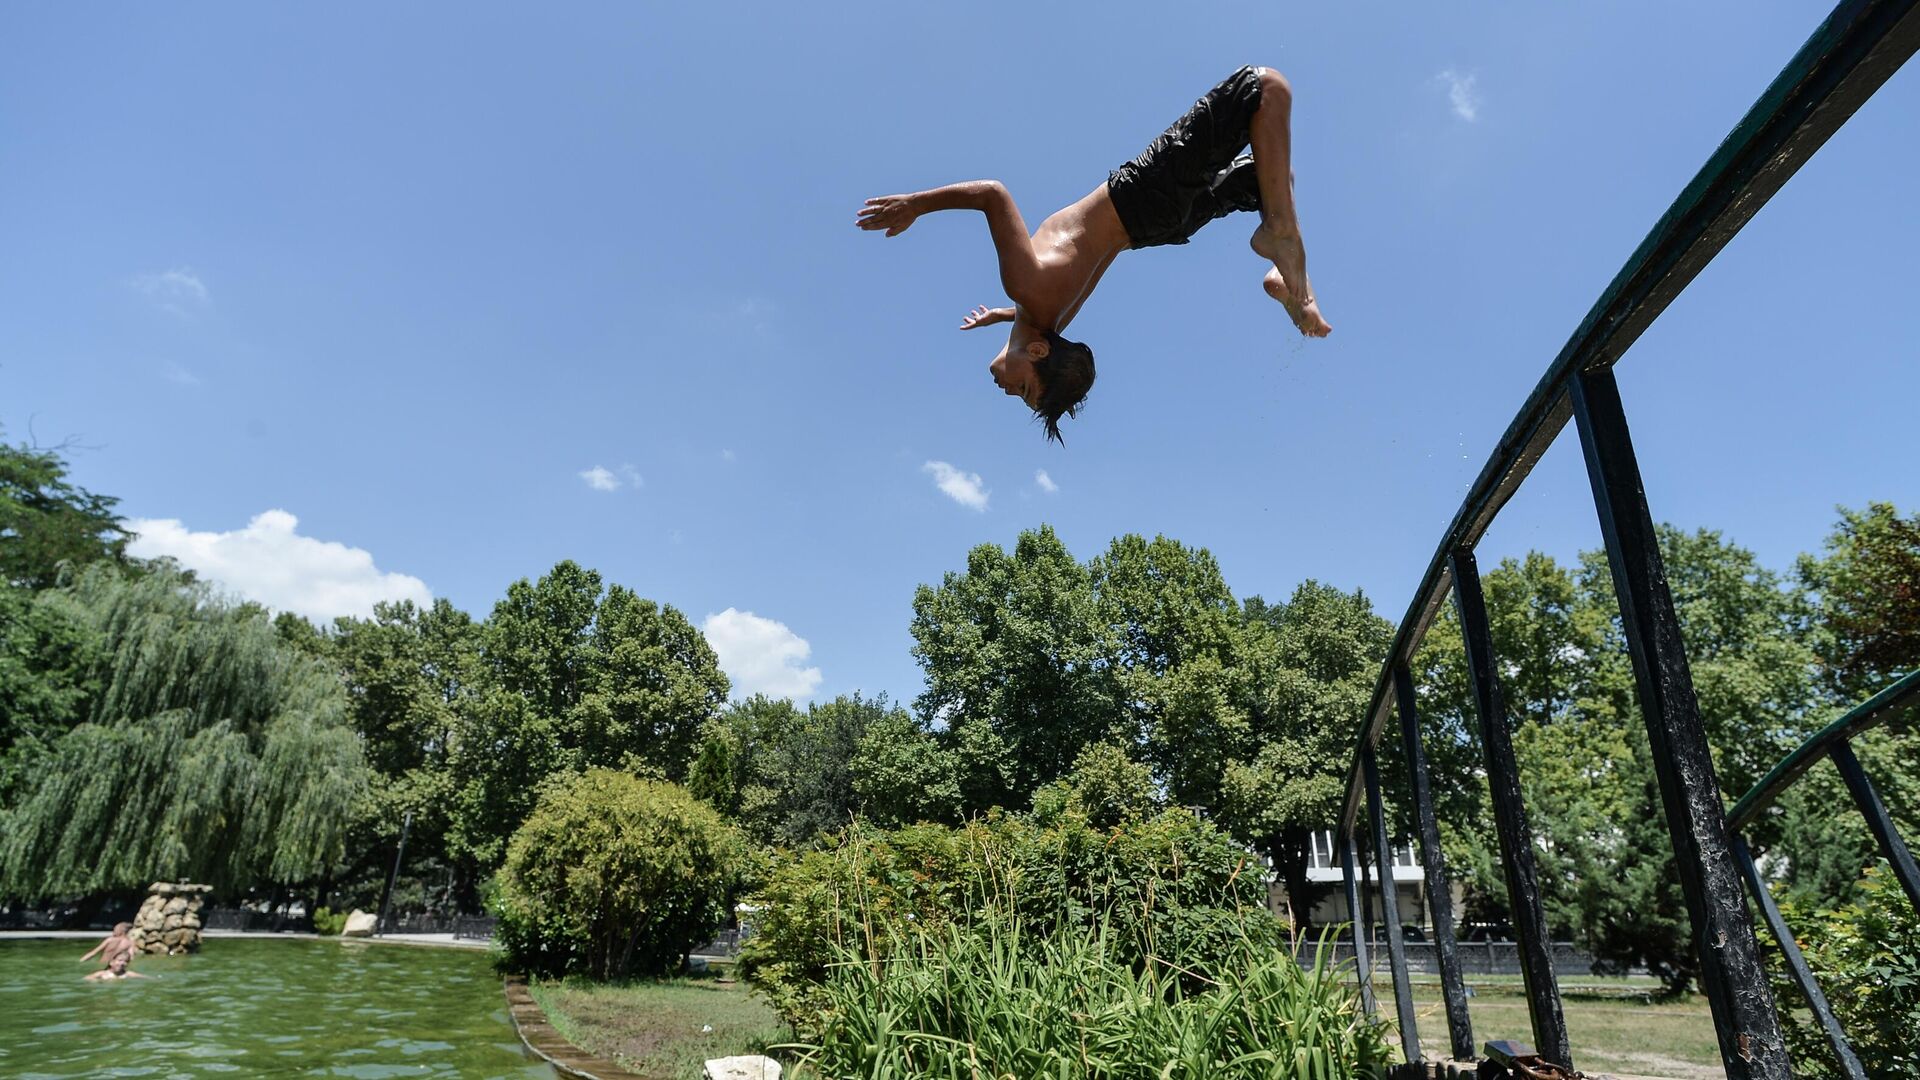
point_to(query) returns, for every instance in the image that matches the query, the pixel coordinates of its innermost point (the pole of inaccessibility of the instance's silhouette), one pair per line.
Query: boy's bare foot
(1289, 258)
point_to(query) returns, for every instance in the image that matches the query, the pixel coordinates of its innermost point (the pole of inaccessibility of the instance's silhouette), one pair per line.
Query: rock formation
(169, 921)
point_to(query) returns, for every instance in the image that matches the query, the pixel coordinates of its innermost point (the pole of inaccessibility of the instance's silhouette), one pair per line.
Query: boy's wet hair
(1065, 377)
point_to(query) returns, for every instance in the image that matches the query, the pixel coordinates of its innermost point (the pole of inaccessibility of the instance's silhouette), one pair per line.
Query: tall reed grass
(995, 1001)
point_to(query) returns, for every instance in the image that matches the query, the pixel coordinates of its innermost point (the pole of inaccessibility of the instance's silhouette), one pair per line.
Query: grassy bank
(657, 1029)
(1666, 1038)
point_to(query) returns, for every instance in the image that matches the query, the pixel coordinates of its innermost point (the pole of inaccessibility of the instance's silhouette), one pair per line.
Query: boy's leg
(1278, 237)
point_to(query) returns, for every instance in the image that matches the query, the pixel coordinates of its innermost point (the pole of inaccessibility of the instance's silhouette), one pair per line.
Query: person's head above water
(1051, 374)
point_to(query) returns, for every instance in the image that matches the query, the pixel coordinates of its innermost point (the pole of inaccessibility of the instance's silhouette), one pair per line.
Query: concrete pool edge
(545, 1042)
(438, 941)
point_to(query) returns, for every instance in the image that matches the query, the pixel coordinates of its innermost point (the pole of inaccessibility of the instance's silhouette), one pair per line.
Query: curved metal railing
(1848, 57)
(1834, 742)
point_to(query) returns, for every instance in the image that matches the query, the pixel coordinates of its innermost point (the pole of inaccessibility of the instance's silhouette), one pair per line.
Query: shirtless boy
(116, 969)
(115, 944)
(1187, 177)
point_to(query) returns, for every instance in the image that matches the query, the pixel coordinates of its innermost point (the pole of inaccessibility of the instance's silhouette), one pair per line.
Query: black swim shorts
(1194, 172)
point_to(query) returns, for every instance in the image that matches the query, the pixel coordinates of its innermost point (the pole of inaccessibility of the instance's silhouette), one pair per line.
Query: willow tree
(211, 751)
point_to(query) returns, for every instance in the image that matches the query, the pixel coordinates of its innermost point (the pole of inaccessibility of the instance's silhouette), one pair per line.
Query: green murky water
(244, 1008)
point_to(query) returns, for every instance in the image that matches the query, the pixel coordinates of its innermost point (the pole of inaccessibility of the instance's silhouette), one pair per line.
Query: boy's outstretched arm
(986, 316)
(1018, 267)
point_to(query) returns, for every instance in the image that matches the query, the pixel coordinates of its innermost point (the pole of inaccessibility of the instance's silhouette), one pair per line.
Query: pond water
(245, 1007)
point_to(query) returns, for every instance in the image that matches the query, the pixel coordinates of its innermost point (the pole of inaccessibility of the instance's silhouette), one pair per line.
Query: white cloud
(726, 455)
(176, 374)
(1046, 482)
(1462, 93)
(761, 656)
(178, 290)
(965, 488)
(601, 478)
(269, 562)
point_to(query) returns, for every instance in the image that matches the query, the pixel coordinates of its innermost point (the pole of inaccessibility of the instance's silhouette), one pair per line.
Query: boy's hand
(982, 315)
(893, 213)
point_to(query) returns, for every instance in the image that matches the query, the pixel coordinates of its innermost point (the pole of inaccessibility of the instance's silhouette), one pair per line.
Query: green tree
(48, 673)
(47, 522)
(902, 775)
(413, 677)
(1181, 660)
(1866, 954)
(1867, 586)
(573, 675)
(210, 751)
(613, 875)
(797, 774)
(1580, 739)
(751, 730)
(1017, 643)
(1743, 626)
(1109, 788)
(713, 777)
(1312, 666)
(616, 674)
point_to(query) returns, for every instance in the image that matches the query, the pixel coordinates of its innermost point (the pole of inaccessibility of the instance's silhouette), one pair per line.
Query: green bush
(1171, 886)
(1004, 1002)
(1866, 955)
(613, 875)
(328, 922)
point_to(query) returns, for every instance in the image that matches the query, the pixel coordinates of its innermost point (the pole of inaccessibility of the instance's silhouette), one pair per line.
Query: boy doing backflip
(1190, 175)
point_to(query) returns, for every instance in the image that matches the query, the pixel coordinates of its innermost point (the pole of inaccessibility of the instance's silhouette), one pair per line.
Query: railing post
(1875, 811)
(1390, 909)
(1433, 862)
(1361, 966)
(1510, 817)
(1796, 963)
(1731, 972)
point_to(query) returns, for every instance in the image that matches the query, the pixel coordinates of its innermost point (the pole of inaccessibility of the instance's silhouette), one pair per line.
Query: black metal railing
(1835, 743)
(1852, 53)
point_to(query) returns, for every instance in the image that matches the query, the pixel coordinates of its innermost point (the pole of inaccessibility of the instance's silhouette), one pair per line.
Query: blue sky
(463, 290)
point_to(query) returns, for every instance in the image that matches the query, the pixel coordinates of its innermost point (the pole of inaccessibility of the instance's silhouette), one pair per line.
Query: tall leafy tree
(1581, 742)
(903, 775)
(1181, 659)
(791, 775)
(1865, 629)
(1016, 644)
(574, 674)
(210, 751)
(413, 677)
(1312, 670)
(47, 521)
(48, 673)
(1867, 588)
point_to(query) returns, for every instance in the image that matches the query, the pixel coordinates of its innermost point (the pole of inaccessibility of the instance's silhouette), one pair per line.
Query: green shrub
(613, 875)
(1866, 955)
(1004, 1002)
(328, 922)
(1171, 886)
